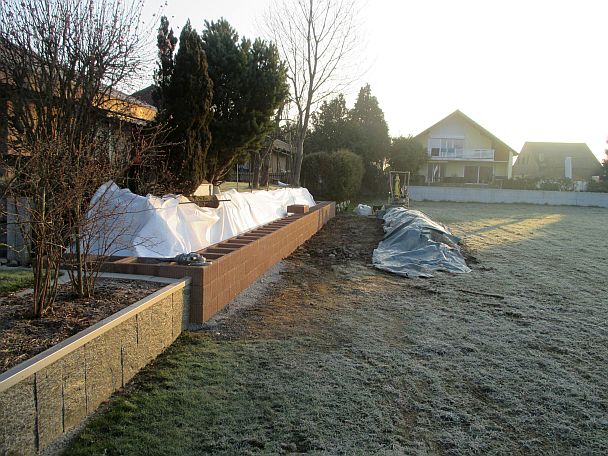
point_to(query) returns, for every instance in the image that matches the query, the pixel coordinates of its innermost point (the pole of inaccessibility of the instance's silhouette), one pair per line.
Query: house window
(434, 147)
(451, 147)
(486, 173)
(446, 147)
(478, 174)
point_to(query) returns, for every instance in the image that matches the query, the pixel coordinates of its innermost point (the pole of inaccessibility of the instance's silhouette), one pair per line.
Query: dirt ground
(509, 359)
(335, 357)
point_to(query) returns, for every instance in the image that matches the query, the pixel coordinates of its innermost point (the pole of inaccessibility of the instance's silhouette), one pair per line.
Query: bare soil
(22, 337)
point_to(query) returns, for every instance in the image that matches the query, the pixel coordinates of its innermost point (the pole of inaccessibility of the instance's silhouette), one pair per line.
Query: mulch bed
(22, 337)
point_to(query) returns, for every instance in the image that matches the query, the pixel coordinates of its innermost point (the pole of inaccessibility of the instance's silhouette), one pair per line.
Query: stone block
(154, 329)
(181, 306)
(49, 398)
(74, 389)
(103, 368)
(163, 316)
(131, 363)
(18, 415)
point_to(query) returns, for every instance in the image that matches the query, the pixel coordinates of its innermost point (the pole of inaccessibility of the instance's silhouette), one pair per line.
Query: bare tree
(318, 42)
(61, 65)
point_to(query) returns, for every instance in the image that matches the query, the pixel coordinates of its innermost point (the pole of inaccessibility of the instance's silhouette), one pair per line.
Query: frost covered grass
(339, 358)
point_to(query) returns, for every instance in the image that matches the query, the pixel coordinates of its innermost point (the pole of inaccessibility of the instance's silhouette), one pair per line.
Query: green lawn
(240, 397)
(15, 280)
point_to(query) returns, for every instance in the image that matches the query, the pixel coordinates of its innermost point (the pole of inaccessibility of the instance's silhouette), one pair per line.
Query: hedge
(334, 176)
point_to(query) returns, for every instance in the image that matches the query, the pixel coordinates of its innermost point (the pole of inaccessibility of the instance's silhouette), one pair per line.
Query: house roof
(116, 103)
(128, 107)
(460, 114)
(282, 146)
(547, 159)
(145, 95)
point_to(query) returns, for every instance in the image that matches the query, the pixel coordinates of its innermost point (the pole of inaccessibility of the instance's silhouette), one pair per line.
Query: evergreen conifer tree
(166, 43)
(187, 113)
(371, 139)
(370, 129)
(249, 85)
(332, 129)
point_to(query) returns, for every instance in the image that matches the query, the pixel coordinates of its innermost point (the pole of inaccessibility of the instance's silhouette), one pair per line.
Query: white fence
(495, 195)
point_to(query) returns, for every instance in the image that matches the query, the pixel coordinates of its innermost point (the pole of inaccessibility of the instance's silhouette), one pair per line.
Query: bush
(375, 181)
(601, 186)
(520, 184)
(313, 174)
(336, 176)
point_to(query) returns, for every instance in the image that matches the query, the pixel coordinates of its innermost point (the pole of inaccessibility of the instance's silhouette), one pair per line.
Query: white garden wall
(495, 195)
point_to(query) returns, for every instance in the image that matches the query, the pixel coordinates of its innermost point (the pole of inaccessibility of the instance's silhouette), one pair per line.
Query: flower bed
(46, 396)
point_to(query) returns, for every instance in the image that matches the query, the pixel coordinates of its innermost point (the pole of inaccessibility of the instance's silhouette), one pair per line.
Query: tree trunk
(297, 168)
(265, 177)
(256, 164)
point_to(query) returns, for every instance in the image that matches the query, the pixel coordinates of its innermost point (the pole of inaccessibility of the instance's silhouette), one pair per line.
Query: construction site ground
(327, 355)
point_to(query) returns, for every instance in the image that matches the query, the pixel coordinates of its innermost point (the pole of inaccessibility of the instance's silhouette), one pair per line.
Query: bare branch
(318, 42)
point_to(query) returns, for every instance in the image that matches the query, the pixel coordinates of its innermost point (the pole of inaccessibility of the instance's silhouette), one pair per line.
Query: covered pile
(414, 246)
(125, 224)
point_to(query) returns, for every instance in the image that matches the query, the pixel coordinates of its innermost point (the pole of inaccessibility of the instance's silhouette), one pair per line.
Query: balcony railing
(464, 154)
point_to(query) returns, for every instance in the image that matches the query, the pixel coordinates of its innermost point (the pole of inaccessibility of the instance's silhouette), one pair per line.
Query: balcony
(462, 154)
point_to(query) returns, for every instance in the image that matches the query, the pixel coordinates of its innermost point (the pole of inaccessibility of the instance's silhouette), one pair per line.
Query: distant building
(461, 150)
(281, 159)
(548, 160)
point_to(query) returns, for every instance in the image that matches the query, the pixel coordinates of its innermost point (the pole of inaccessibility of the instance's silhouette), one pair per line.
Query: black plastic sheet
(415, 246)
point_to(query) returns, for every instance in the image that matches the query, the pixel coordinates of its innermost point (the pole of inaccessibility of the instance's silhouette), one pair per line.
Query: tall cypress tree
(166, 43)
(188, 112)
(373, 142)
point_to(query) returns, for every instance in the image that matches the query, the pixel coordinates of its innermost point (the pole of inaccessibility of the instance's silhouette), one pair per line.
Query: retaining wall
(235, 263)
(495, 195)
(54, 391)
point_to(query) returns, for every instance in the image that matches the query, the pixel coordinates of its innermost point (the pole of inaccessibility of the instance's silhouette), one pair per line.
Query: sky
(534, 70)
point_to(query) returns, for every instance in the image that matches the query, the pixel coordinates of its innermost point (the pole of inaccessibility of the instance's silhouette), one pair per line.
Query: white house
(461, 150)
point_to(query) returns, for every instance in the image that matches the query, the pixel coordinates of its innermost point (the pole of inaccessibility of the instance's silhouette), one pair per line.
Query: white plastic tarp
(126, 224)
(363, 209)
(414, 246)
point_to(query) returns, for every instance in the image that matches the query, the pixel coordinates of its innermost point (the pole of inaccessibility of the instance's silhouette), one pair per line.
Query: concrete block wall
(51, 393)
(496, 195)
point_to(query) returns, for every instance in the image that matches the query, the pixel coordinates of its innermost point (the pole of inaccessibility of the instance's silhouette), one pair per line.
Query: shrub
(601, 186)
(417, 179)
(336, 176)
(520, 184)
(313, 173)
(375, 181)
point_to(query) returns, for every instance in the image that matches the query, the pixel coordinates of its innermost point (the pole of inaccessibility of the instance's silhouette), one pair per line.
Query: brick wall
(235, 263)
(50, 394)
(238, 262)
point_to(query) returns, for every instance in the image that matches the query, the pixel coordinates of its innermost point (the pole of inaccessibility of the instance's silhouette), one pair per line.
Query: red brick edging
(235, 263)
